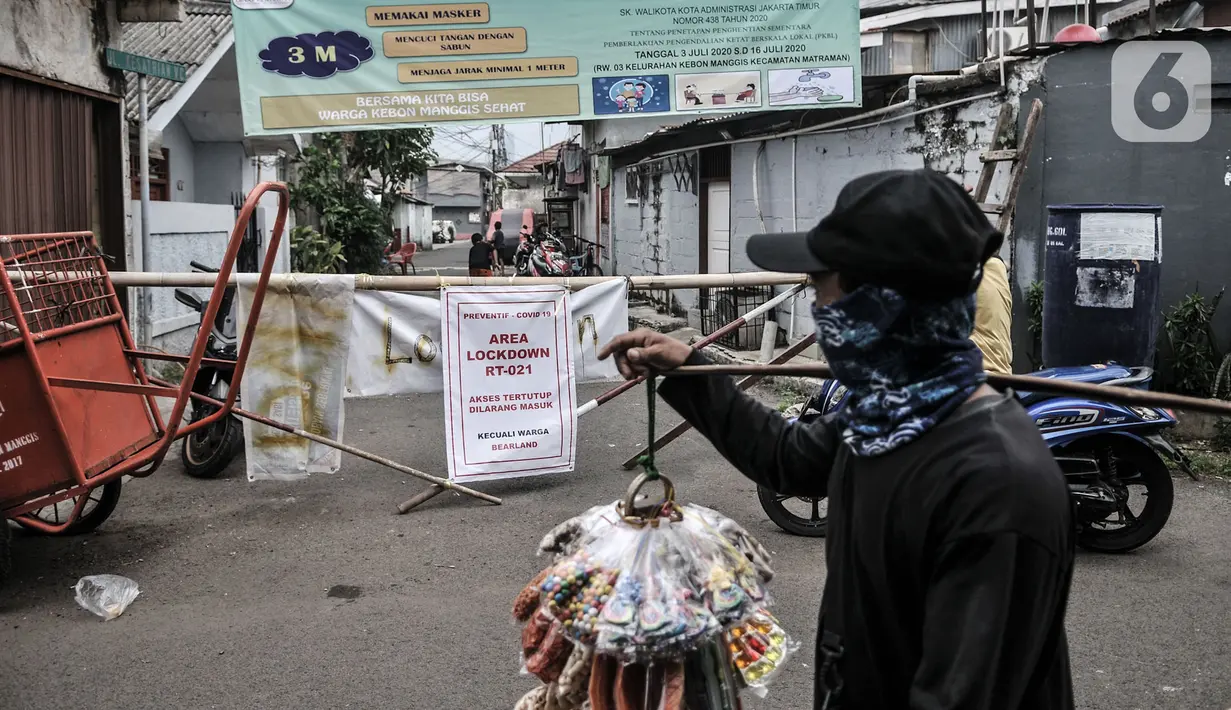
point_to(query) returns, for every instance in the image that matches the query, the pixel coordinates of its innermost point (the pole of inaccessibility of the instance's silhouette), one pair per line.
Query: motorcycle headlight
(1147, 413)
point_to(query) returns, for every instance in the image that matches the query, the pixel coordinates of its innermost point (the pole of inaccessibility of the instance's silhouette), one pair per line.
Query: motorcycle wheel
(814, 525)
(101, 504)
(6, 542)
(207, 452)
(1137, 466)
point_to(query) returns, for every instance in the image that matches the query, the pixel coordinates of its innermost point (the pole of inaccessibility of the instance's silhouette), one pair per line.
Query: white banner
(510, 397)
(599, 314)
(295, 373)
(395, 340)
(395, 344)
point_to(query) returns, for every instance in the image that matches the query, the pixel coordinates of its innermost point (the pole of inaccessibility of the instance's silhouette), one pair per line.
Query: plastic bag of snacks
(672, 603)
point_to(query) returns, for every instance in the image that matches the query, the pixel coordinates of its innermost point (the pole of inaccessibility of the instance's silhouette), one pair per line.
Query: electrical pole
(498, 152)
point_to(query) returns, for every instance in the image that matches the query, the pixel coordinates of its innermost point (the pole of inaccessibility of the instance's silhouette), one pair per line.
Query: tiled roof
(189, 42)
(531, 163)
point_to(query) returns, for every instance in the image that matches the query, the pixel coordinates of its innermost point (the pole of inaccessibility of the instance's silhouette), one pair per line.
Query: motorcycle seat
(1111, 374)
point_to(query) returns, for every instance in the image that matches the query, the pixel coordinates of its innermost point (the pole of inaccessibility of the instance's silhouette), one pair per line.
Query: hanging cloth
(574, 165)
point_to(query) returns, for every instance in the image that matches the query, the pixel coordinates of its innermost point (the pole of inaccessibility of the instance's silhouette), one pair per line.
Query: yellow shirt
(994, 318)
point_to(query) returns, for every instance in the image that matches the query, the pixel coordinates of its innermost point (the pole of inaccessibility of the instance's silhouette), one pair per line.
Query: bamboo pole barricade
(1024, 383)
(437, 482)
(616, 391)
(433, 283)
(751, 373)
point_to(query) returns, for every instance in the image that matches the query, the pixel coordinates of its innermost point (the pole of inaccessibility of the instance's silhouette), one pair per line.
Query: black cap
(915, 231)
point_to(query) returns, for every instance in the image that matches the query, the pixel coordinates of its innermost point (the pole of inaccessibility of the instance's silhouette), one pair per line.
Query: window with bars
(632, 184)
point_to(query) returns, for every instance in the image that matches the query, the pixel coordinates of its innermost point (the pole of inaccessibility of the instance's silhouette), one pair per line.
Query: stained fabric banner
(599, 314)
(295, 372)
(395, 339)
(395, 342)
(510, 393)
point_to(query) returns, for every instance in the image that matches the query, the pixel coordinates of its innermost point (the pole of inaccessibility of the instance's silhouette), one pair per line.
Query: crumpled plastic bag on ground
(106, 595)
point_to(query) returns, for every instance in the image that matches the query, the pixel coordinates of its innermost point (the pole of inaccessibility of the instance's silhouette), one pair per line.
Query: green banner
(330, 65)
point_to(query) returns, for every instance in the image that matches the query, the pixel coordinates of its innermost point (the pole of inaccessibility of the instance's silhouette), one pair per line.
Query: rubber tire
(594, 271)
(785, 520)
(89, 522)
(220, 458)
(1157, 478)
(6, 546)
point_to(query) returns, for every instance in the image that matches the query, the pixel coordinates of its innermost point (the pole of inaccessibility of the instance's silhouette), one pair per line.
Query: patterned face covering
(907, 365)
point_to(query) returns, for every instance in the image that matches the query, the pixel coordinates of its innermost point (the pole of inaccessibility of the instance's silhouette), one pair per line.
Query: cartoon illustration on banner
(510, 395)
(319, 65)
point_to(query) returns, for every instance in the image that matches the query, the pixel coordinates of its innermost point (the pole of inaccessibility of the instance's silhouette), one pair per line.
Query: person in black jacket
(950, 543)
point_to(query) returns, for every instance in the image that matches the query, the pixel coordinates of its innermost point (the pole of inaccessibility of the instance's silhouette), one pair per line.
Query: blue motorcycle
(1113, 456)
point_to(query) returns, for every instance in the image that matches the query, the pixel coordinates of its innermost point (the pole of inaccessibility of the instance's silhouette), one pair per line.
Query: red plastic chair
(405, 256)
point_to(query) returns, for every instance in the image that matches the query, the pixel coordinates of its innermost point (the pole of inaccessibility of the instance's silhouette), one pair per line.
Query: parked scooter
(207, 452)
(542, 254)
(1106, 451)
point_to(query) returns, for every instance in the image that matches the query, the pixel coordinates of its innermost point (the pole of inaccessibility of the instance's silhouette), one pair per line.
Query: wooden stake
(252, 416)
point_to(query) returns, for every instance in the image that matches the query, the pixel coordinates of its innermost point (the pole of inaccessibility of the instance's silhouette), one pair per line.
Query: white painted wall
(181, 232)
(220, 169)
(182, 153)
(415, 221)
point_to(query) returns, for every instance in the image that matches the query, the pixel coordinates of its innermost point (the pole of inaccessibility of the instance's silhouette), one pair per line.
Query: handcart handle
(215, 302)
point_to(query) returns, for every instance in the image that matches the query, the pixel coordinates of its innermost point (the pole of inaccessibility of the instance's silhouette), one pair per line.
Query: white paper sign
(395, 345)
(295, 373)
(510, 394)
(396, 339)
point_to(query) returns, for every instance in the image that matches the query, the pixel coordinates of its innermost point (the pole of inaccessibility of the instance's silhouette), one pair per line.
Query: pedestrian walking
(481, 256)
(498, 242)
(950, 546)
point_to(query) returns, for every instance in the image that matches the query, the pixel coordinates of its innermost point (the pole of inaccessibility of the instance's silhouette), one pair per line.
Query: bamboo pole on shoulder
(366, 282)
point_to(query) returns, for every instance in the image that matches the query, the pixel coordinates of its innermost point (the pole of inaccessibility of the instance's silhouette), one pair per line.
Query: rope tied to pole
(646, 460)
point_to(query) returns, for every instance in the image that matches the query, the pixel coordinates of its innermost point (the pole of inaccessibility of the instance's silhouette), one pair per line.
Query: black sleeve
(786, 457)
(994, 610)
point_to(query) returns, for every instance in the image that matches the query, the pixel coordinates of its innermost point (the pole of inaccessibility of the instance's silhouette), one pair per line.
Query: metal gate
(48, 176)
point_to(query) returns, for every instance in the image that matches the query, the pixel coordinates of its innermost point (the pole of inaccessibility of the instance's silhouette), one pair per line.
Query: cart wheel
(97, 509)
(6, 540)
(207, 452)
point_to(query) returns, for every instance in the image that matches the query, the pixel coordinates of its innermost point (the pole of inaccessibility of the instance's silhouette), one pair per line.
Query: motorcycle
(1106, 452)
(542, 254)
(207, 452)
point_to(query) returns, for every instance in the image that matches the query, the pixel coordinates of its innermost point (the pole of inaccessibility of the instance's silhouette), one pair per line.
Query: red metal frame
(52, 290)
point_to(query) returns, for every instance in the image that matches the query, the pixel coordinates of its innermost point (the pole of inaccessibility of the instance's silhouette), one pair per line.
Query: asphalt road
(236, 608)
(447, 259)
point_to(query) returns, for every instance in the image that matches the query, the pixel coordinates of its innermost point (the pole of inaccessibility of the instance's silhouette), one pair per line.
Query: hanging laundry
(574, 164)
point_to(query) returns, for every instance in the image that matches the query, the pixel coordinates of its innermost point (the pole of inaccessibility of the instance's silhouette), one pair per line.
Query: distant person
(993, 332)
(481, 257)
(498, 242)
(994, 318)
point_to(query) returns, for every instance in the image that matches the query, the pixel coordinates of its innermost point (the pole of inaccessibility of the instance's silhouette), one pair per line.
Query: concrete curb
(800, 386)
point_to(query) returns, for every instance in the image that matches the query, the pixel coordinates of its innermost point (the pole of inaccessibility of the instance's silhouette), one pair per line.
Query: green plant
(333, 176)
(1222, 436)
(1034, 323)
(1194, 353)
(313, 253)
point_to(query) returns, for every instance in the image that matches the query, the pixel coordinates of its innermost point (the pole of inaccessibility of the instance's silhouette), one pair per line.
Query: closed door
(718, 227)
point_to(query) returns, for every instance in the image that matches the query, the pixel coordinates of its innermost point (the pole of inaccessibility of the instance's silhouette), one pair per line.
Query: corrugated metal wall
(48, 176)
(953, 42)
